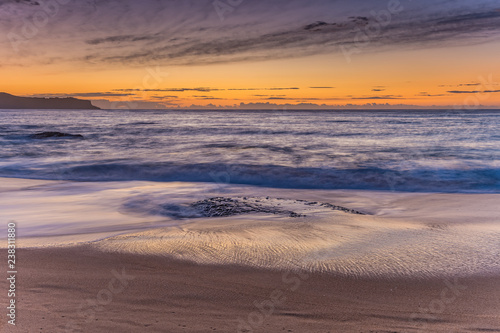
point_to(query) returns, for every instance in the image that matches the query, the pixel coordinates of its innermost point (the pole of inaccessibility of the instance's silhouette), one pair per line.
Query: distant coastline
(8, 101)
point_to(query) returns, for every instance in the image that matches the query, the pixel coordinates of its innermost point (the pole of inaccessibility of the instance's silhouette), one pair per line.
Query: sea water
(397, 150)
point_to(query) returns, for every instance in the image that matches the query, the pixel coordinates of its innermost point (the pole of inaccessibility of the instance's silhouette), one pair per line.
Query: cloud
(470, 17)
(291, 88)
(95, 94)
(89, 94)
(165, 96)
(317, 37)
(189, 32)
(473, 84)
(378, 89)
(260, 95)
(341, 98)
(281, 43)
(321, 87)
(472, 91)
(204, 89)
(200, 89)
(380, 97)
(315, 25)
(121, 39)
(206, 97)
(21, 2)
(426, 94)
(314, 106)
(468, 84)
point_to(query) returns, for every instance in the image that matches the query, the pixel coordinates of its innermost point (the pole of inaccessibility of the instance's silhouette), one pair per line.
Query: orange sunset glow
(346, 56)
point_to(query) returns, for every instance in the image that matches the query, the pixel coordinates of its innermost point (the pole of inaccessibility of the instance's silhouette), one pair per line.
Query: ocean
(397, 150)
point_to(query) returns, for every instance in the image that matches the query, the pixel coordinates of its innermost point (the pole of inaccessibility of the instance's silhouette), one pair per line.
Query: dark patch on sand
(229, 206)
(220, 206)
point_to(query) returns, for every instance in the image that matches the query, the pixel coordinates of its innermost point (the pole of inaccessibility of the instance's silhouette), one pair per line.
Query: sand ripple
(341, 243)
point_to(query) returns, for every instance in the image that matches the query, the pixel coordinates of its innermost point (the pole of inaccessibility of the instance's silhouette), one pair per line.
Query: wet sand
(191, 257)
(76, 290)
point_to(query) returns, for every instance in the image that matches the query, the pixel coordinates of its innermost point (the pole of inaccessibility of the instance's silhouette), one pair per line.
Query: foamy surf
(403, 150)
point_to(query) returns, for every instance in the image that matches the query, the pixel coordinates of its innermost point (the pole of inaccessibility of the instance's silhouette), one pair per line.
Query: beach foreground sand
(85, 290)
(191, 257)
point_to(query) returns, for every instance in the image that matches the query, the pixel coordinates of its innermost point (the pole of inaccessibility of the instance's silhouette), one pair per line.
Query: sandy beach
(250, 259)
(68, 290)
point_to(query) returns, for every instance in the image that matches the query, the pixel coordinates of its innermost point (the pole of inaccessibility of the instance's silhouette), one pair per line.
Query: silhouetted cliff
(8, 101)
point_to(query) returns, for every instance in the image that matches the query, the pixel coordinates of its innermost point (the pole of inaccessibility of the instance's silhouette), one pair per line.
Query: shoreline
(398, 234)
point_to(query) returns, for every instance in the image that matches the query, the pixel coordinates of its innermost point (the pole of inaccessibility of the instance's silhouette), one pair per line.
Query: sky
(254, 53)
